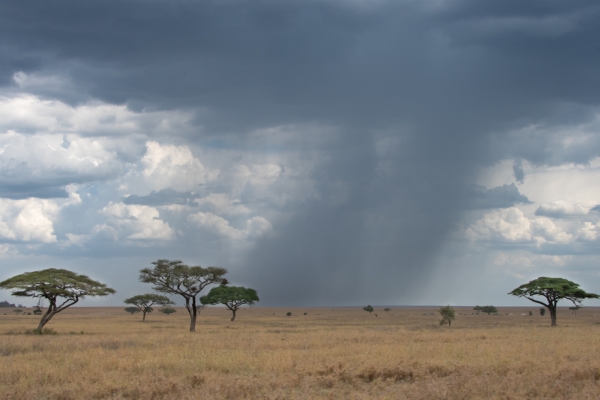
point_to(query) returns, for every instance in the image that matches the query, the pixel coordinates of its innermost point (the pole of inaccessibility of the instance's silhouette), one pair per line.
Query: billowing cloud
(42, 165)
(562, 209)
(174, 167)
(588, 231)
(31, 114)
(134, 222)
(511, 225)
(219, 227)
(29, 220)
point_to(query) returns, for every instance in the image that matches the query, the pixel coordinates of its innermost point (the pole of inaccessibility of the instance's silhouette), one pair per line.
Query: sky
(325, 152)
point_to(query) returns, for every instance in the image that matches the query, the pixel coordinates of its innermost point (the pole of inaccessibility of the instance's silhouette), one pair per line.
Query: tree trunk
(43, 322)
(144, 317)
(47, 316)
(553, 315)
(193, 315)
(193, 323)
(233, 317)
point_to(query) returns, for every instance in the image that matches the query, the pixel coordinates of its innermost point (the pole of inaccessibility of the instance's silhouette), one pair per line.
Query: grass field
(342, 353)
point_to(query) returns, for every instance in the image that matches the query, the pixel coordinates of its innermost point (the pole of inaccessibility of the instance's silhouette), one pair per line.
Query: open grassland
(328, 353)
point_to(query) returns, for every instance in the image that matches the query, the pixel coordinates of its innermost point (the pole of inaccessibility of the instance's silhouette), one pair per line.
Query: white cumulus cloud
(512, 225)
(220, 227)
(29, 220)
(55, 159)
(135, 222)
(175, 167)
(588, 231)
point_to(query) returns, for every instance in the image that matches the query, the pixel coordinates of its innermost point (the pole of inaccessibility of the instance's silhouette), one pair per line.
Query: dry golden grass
(329, 353)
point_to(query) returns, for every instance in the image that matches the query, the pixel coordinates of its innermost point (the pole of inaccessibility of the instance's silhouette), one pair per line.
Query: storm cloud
(324, 151)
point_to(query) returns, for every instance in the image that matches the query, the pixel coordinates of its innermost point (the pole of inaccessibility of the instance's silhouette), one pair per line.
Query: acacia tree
(486, 309)
(574, 309)
(54, 285)
(553, 290)
(174, 277)
(144, 302)
(368, 308)
(232, 297)
(387, 310)
(489, 309)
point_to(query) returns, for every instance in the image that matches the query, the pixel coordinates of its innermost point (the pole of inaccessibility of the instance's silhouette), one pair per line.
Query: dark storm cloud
(499, 197)
(24, 191)
(269, 62)
(518, 171)
(415, 88)
(161, 198)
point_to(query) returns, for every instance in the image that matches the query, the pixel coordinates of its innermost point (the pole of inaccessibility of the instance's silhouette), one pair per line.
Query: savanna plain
(329, 353)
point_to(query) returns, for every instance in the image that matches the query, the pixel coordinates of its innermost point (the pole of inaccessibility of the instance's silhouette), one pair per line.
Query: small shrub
(289, 314)
(167, 310)
(448, 315)
(132, 310)
(542, 311)
(305, 313)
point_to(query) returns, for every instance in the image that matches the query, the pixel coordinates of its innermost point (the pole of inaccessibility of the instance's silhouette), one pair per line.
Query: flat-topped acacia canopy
(553, 290)
(174, 277)
(53, 284)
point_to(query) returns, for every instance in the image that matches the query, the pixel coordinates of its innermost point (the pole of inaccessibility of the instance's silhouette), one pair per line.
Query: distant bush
(132, 310)
(167, 310)
(486, 309)
(542, 311)
(289, 314)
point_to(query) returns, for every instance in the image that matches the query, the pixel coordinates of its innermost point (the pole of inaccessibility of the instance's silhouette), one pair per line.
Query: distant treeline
(6, 304)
